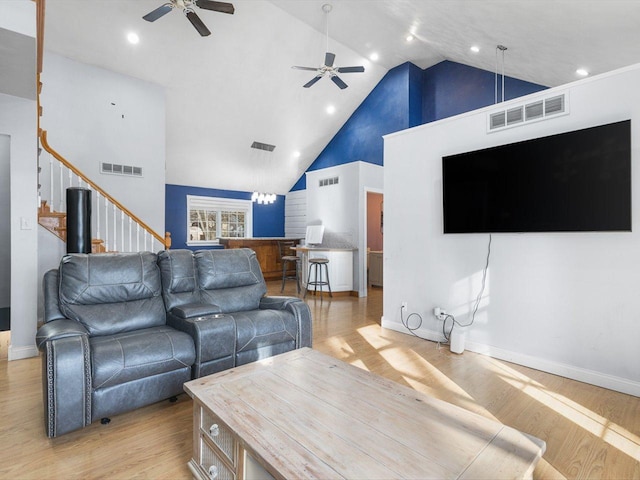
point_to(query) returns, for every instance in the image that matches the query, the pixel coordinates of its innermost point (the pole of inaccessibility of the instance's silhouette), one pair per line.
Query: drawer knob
(214, 430)
(213, 471)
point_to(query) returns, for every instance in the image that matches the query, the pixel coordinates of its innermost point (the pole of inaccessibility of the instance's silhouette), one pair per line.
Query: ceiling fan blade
(329, 59)
(222, 7)
(350, 69)
(197, 23)
(336, 79)
(157, 13)
(312, 81)
(311, 69)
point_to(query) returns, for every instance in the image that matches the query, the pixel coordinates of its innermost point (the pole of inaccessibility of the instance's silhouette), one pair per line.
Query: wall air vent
(514, 115)
(117, 169)
(497, 120)
(328, 181)
(528, 112)
(534, 110)
(263, 146)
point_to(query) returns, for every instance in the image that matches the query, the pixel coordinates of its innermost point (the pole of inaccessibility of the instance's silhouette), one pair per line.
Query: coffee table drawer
(214, 466)
(213, 429)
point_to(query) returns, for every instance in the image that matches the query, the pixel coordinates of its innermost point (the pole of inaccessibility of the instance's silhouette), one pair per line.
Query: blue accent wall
(451, 88)
(391, 106)
(406, 97)
(268, 220)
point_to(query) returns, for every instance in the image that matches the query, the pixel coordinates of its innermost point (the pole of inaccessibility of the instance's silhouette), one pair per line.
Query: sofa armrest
(66, 372)
(191, 310)
(277, 303)
(214, 338)
(300, 311)
(50, 291)
(57, 329)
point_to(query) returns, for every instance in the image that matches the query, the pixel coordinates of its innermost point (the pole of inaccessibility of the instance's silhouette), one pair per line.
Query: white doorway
(374, 236)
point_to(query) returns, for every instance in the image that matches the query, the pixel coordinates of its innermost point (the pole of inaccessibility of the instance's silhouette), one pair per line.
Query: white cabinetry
(340, 267)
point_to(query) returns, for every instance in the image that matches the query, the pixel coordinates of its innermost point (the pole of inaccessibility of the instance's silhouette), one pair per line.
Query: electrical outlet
(439, 313)
(404, 305)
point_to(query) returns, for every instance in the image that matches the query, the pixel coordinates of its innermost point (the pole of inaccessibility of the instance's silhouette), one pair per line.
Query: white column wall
(18, 120)
(93, 115)
(566, 303)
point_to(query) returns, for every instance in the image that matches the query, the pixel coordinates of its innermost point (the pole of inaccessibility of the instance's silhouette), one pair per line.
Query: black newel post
(78, 220)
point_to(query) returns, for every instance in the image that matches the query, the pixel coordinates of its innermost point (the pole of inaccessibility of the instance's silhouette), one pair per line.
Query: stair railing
(114, 224)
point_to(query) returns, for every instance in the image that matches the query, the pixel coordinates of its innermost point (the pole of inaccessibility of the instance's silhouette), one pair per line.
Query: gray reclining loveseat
(125, 330)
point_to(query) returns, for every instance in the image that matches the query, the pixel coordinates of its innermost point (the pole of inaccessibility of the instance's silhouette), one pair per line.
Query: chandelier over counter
(262, 152)
(263, 198)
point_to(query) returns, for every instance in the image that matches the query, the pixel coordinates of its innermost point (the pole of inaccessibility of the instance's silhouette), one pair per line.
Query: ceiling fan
(187, 8)
(328, 68)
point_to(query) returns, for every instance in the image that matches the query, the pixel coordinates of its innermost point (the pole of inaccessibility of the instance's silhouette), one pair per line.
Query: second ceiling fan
(187, 8)
(328, 68)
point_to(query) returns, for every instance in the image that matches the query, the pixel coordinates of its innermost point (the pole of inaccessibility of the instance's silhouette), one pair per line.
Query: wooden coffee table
(304, 414)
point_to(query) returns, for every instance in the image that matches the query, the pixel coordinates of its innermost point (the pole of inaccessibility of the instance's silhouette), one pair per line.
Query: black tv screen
(578, 181)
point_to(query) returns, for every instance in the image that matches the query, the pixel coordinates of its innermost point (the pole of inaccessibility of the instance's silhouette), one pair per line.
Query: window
(212, 217)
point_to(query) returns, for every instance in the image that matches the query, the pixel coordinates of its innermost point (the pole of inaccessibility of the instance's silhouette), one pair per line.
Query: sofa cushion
(124, 357)
(179, 282)
(111, 293)
(230, 278)
(261, 328)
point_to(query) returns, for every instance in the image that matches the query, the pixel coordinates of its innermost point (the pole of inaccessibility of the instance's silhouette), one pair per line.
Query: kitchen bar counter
(266, 251)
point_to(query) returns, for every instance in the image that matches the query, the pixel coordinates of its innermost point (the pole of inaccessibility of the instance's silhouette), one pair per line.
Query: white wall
(5, 222)
(18, 120)
(85, 128)
(341, 209)
(566, 303)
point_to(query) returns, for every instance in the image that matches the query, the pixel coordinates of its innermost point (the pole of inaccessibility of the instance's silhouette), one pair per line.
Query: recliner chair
(218, 297)
(107, 347)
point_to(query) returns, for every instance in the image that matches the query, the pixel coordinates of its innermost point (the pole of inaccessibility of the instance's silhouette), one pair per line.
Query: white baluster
(51, 199)
(138, 237)
(61, 208)
(145, 240)
(130, 225)
(106, 224)
(98, 214)
(122, 230)
(115, 229)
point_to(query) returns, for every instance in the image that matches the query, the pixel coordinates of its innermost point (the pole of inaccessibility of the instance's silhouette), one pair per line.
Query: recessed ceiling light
(582, 72)
(133, 38)
(475, 49)
(410, 38)
(374, 57)
(296, 154)
(331, 109)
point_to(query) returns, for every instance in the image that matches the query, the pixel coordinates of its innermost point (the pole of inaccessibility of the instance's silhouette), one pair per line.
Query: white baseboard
(18, 353)
(591, 377)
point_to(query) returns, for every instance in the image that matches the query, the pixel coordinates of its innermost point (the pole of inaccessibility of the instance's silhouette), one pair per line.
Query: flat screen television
(578, 181)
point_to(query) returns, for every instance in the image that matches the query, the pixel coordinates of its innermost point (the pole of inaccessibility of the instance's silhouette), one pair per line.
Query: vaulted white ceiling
(236, 86)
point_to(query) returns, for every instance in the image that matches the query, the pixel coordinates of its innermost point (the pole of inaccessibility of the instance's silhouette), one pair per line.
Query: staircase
(56, 223)
(115, 228)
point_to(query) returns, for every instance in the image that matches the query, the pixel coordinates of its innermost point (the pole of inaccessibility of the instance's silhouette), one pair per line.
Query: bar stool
(316, 264)
(286, 258)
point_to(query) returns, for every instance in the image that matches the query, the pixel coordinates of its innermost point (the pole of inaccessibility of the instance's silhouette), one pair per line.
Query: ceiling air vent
(534, 111)
(117, 169)
(263, 146)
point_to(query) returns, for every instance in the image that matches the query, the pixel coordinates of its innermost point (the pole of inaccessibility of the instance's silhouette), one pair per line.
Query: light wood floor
(590, 432)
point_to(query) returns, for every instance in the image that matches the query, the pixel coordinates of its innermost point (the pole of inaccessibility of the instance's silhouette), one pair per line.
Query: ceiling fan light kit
(187, 8)
(328, 69)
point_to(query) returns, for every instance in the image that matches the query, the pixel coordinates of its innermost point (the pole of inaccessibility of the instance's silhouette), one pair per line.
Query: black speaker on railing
(78, 220)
